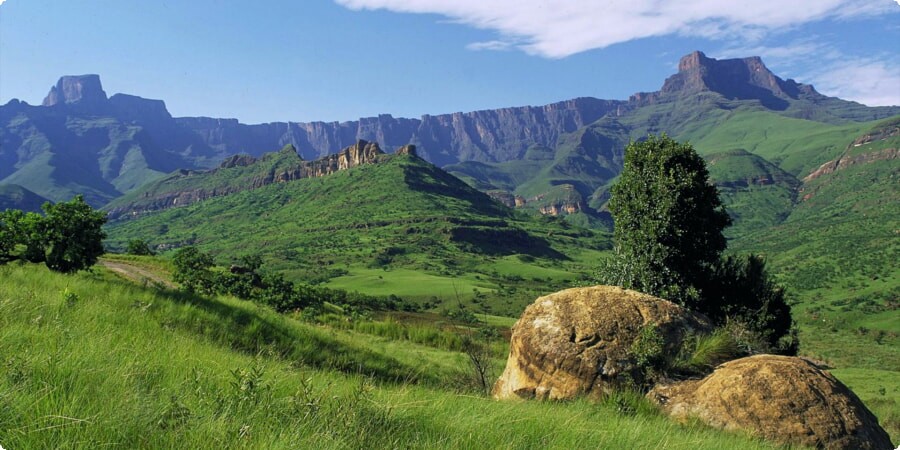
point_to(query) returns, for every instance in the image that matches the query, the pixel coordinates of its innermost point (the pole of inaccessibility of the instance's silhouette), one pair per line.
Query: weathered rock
(786, 399)
(407, 150)
(577, 341)
(76, 89)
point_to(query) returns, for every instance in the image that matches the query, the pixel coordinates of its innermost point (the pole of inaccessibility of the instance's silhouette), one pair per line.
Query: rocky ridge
(171, 192)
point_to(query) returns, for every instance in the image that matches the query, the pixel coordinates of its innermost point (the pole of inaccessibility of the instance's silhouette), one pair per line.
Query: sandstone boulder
(577, 341)
(781, 398)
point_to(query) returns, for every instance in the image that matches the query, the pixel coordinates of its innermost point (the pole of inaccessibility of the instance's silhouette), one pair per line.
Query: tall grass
(90, 362)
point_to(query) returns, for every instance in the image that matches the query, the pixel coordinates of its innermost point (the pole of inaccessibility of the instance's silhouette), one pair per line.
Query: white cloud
(493, 45)
(870, 81)
(565, 27)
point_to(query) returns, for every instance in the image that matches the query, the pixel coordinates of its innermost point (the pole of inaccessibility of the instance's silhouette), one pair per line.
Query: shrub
(192, 270)
(139, 247)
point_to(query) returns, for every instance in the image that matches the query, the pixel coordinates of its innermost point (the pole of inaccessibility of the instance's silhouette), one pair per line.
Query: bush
(740, 291)
(649, 352)
(139, 247)
(192, 270)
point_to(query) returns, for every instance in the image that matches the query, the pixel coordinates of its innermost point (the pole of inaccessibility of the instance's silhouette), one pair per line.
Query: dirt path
(136, 273)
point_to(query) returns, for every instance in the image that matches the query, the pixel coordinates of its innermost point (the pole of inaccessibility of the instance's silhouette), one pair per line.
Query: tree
(192, 270)
(7, 237)
(73, 235)
(25, 229)
(668, 221)
(139, 247)
(669, 240)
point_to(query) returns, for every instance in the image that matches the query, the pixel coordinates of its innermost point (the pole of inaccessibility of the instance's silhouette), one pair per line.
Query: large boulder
(781, 398)
(577, 341)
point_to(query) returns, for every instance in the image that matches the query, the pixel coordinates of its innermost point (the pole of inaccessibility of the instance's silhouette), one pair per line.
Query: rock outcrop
(76, 89)
(740, 79)
(785, 399)
(253, 173)
(578, 341)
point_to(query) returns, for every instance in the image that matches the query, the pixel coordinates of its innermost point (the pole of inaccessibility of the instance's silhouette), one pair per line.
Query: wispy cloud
(565, 27)
(490, 45)
(870, 81)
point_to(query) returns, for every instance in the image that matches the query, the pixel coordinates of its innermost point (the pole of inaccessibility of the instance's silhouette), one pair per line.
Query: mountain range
(82, 141)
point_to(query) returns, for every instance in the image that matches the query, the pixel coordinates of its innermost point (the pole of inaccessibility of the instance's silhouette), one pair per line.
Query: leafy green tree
(26, 230)
(7, 237)
(139, 247)
(192, 270)
(669, 242)
(72, 235)
(668, 221)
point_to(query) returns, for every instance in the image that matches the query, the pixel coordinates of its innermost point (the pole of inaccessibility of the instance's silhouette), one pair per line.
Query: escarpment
(243, 172)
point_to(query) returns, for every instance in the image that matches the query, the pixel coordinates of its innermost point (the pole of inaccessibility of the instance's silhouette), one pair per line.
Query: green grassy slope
(756, 193)
(838, 255)
(224, 179)
(380, 220)
(93, 362)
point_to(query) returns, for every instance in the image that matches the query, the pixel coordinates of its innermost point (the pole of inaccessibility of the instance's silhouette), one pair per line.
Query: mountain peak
(738, 79)
(83, 89)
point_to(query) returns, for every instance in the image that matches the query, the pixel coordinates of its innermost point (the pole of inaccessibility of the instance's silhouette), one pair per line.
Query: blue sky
(340, 60)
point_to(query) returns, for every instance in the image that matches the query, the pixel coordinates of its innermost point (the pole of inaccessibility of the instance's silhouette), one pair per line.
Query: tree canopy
(669, 240)
(67, 238)
(668, 220)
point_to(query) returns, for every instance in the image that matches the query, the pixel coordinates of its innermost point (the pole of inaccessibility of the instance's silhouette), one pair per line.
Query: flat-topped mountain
(742, 79)
(83, 89)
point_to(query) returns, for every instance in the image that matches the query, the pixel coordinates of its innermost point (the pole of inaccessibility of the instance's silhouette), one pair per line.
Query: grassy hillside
(91, 361)
(756, 193)
(838, 252)
(399, 223)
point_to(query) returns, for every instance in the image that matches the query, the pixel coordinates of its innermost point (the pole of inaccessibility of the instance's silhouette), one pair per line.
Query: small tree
(668, 221)
(25, 229)
(192, 270)
(7, 236)
(669, 242)
(72, 234)
(139, 247)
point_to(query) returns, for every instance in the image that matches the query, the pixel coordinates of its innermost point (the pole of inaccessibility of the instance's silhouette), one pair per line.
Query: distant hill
(387, 212)
(13, 196)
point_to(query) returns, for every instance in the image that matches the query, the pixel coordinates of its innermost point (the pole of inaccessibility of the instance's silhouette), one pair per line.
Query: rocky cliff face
(489, 136)
(738, 79)
(84, 89)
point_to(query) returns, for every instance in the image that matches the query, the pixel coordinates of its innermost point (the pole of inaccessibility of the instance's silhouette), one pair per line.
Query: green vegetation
(401, 227)
(139, 247)
(90, 360)
(669, 240)
(68, 237)
(756, 193)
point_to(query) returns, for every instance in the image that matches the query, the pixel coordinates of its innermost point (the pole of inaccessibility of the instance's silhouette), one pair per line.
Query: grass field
(93, 361)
